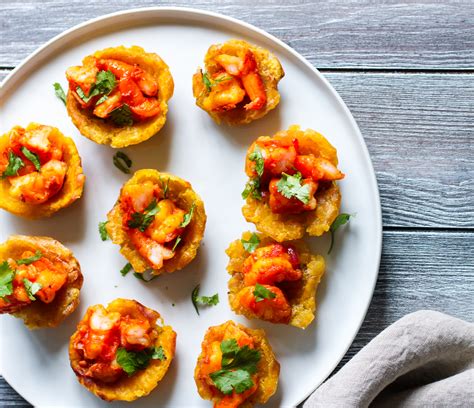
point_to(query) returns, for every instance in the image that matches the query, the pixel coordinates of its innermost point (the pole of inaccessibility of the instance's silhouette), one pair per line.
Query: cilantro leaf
(261, 292)
(59, 91)
(104, 83)
(341, 219)
(252, 243)
(252, 188)
(122, 116)
(165, 187)
(103, 231)
(6, 279)
(26, 261)
(158, 354)
(290, 186)
(32, 157)
(176, 243)
(31, 288)
(143, 220)
(126, 269)
(15, 163)
(238, 364)
(122, 162)
(188, 217)
(203, 300)
(131, 361)
(257, 157)
(209, 83)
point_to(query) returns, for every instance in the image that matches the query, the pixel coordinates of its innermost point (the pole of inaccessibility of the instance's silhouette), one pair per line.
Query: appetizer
(273, 281)
(239, 83)
(236, 367)
(158, 221)
(119, 96)
(119, 352)
(40, 280)
(40, 171)
(291, 187)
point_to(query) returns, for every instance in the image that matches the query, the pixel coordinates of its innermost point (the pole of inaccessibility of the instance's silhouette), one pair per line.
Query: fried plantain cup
(70, 191)
(104, 131)
(181, 193)
(38, 314)
(287, 227)
(142, 382)
(301, 294)
(268, 368)
(268, 67)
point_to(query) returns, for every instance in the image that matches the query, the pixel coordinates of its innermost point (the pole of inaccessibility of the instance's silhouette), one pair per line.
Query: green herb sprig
(59, 91)
(142, 221)
(133, 361)
(122, 162)
(203, 300)
(340, 220)
(252, 243)
(261, 292)
(291, 186)
(26, 261)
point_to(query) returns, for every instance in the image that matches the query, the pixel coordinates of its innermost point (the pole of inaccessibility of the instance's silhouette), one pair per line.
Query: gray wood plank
(420, 34)
(405, 119)
(419, 270)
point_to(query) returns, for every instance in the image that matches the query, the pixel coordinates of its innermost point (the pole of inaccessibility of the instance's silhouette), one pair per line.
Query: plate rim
(189, 11)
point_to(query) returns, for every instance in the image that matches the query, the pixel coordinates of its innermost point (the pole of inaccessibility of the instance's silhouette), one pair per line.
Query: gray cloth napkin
(425, 359)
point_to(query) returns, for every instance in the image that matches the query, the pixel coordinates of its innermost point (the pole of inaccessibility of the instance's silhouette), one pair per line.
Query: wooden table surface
(406, 72)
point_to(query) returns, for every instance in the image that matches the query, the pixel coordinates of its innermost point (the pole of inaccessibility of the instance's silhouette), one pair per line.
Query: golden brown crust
(38, 314)
(70, 191)
(286, 227)
(268, 368)
(104, 132)
(179, 191)
(269, 68)
(142, 382)
(301, 294)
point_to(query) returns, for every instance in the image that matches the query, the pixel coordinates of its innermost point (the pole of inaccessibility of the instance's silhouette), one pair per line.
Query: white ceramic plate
(211, 157)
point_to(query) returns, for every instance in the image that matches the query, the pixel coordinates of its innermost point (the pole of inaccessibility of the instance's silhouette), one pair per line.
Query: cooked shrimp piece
(271, 264)
(165, 227)
(139, 196)
(154, 252)
(317, 168)
(136, 333)
(283, 205)
(276, 309)
(38, 187)
(104, 109)
(83, 76)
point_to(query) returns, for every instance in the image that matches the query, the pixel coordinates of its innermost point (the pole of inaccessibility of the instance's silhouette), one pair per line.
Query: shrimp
(224, 95)
(83, 76)
(113, 101)
(138, 196)
(140, 105)
(136, 333)
(317, 168)
(165, 227)
(271, 264)
(276, 309)
(143, 79)
(245, 67)
(151, 250)
(280, 204)
(39, 187)
(279, 155)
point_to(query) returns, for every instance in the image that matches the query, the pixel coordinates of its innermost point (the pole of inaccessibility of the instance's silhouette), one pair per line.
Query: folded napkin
(425, 359)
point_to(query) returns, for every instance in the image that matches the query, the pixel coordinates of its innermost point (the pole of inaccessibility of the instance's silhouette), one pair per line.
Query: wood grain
(405, 119)
(426, 270)
(418, 34)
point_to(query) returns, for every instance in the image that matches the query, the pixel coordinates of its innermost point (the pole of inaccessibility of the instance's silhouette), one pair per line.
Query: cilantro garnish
(143, 220)
(31, 288)
(32, 157)
(26, 261)
(122, 116)
(209, 83)
(105, 82)
(122, 162)
(203, 300)
(238, 364)
(290, 186)
(103, 230)
(165, 187)
(188, 217)
(126, 269)
(252, 188)
(341, 219)
(59, 91)
(176, 243)
(257, 157)
(132, 361)
(15, 163)
(252, 243)
(261, 292)
(6, 279)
